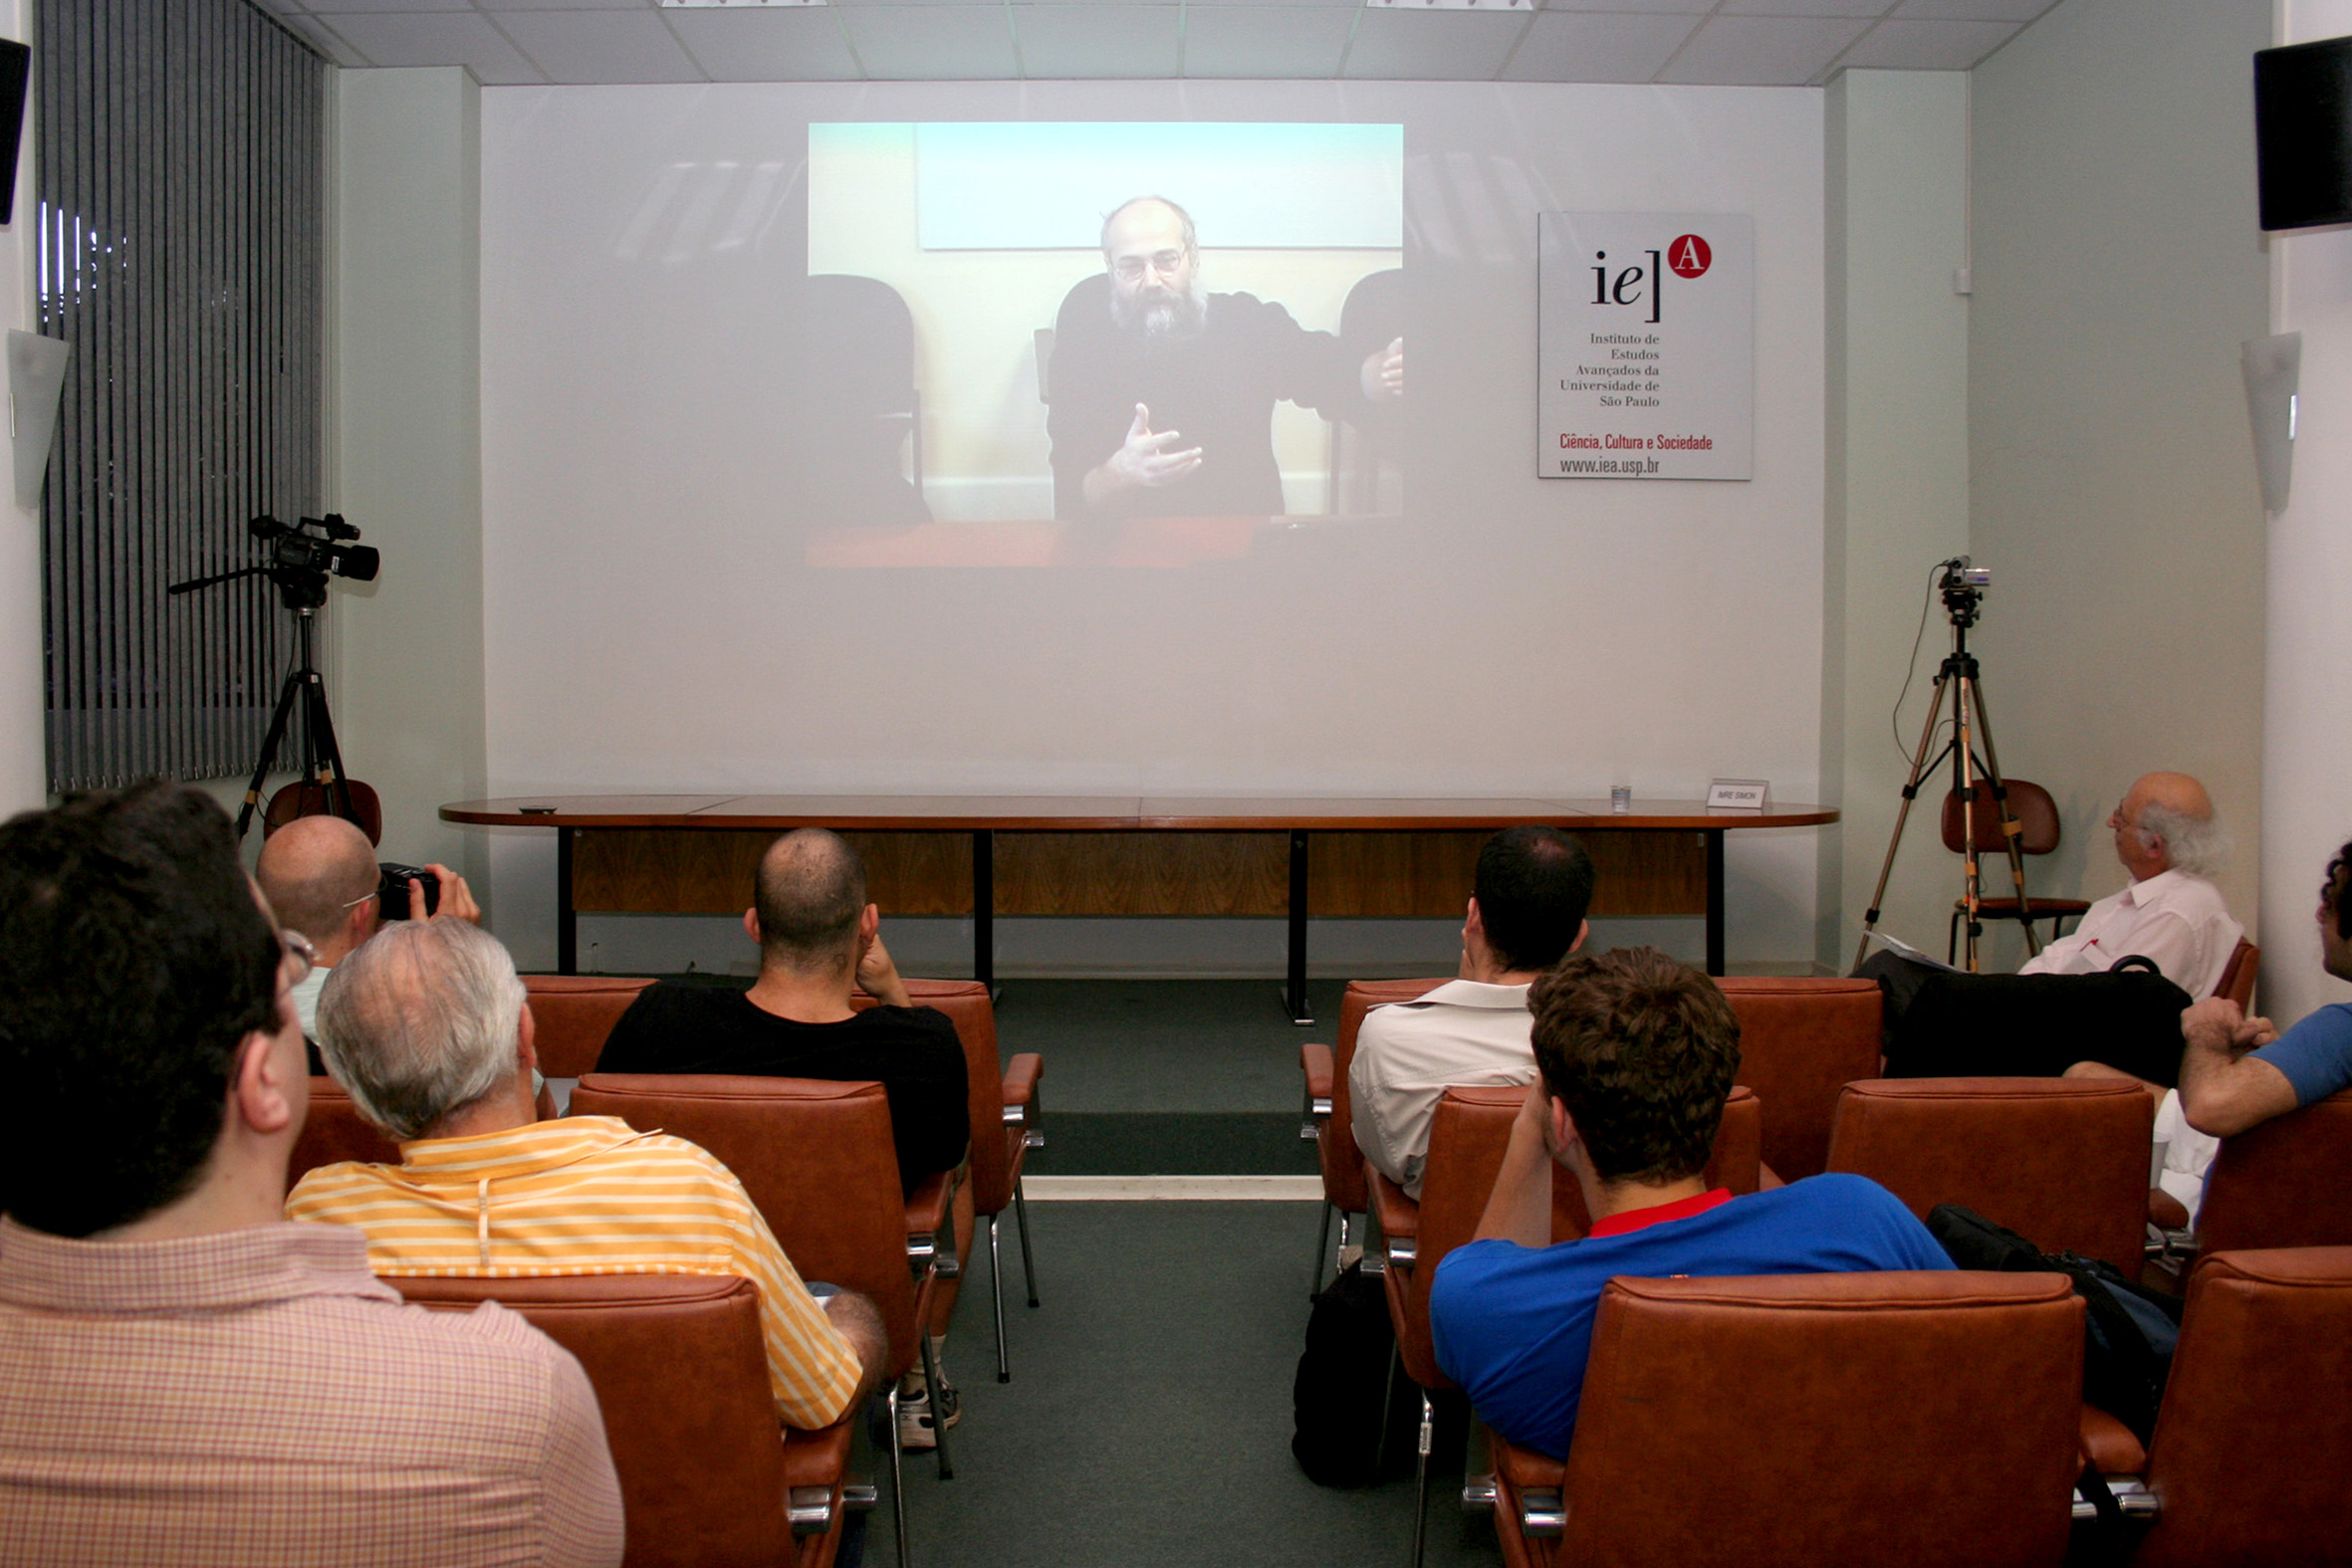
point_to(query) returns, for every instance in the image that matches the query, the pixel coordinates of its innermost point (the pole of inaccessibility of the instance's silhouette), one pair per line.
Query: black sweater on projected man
(912, 1052)
(1217, 391)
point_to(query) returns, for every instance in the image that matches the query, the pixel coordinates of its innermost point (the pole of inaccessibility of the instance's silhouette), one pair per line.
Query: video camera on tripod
(303, 554)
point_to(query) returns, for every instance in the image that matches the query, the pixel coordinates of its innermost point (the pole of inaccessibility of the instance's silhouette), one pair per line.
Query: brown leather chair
(1801, 1041)
(1007, 1122)
(574, 1015)
(2238, 976)
(2285, 1183)
(2254, 1441)
(1920, 1418)
(2037, 821)
(1467, 1138)
(1330, 1112)
(334, 1132)
(2061, 1161)
(816, 1156)
(707, 1479)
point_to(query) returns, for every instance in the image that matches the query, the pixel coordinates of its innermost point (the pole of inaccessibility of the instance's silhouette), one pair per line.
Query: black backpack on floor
(2129, 1332)
(1335, 1398)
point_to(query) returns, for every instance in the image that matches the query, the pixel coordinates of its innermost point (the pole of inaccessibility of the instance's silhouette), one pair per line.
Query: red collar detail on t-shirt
(1659, 1214)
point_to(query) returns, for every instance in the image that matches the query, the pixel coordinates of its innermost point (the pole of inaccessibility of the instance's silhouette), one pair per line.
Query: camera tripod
(1960, 678)
(304, 591)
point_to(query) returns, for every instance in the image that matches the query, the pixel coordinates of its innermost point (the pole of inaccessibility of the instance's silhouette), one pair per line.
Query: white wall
(24, 768)
(2307, 745)
(2112, 488)
(406, 437)
(1897, 479)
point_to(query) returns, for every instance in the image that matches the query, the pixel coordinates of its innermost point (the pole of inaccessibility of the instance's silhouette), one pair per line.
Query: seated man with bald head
(820, 939)
(2171, 914)
(320, 874)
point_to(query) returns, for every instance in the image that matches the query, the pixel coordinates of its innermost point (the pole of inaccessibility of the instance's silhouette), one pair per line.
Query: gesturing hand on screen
(1383, 375)
(1142, 462)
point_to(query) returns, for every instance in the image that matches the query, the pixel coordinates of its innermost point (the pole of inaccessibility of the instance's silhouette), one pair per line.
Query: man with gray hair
(2167, 837)
(425, 1027)
(1162, 396)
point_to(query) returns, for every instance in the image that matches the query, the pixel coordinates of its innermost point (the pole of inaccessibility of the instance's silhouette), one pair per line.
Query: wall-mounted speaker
(35, 378)
(2303, 133)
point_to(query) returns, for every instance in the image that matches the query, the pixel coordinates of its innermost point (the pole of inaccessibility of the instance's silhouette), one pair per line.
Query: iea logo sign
(1647, 353)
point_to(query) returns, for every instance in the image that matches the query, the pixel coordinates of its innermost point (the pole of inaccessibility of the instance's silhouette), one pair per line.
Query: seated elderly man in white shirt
(1527, 913)
(2172, 914)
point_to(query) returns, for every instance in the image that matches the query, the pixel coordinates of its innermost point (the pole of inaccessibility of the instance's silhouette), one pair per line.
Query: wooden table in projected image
(990, 855)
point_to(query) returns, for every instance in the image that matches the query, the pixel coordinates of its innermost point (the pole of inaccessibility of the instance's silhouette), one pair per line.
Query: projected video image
(1036, 341)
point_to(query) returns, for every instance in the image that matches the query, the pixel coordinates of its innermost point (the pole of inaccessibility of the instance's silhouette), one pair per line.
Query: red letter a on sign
(1689, 256)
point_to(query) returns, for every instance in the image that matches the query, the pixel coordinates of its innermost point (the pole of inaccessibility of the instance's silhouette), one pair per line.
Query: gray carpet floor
(1148, 1419)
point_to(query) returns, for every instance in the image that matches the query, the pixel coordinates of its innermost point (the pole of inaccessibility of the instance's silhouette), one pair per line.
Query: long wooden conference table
(990, 855)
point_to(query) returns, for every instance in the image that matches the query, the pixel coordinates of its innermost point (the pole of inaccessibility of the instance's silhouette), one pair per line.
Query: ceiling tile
(1078, 41)
(600, 46)
(1974, 10)
(931, 43)
(326, 41)
(1567, 46)
(1761, 51)
(1265, 41)
(339, 7)
(1418, 46)
(1655, 6)
(438, 38)
(1861, 8)
(1900, 44)
(772, 44)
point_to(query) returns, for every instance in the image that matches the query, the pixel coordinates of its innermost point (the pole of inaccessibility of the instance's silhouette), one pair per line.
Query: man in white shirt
(320, 874)
(2171, 914)
(1532, 887)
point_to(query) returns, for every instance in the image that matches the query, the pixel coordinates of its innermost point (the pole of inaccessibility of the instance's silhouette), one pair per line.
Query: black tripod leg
(288, 695)
(1918, 766)
(2010, 827)
(326, 755)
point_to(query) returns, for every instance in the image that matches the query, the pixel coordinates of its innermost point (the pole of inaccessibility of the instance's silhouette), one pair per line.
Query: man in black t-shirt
(818, 940)
(819, 937)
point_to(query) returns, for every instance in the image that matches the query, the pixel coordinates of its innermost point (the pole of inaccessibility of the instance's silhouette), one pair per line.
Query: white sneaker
(916, 1431)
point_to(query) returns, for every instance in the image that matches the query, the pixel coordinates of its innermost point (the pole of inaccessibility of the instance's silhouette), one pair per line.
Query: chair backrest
(967, 1005)
(2061, 1161)
(2254, 1438)
(1466, 1142)
(1801, 1041)
(332, 1132)
(1921, 1419)
(815, 1155)
(2036, 813)
(572, 1014)
(702, 1478)
(2286, 1182)
(1342, 1164)
(2238, 975)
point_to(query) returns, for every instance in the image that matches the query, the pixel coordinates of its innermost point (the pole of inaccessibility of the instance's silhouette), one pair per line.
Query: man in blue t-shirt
(1638, 1053)
(2238, 1072)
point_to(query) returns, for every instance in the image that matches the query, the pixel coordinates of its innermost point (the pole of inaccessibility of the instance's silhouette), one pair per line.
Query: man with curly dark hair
(1638, 1053)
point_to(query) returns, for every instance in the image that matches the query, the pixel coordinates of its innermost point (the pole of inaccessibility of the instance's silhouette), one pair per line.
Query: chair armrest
(1023, 1105)
(1534, 1481)
(1399, 1218)
(930, 1232)
(1316, 1063)
(815, 1463)
(2164, 1211)
(2109, 1447)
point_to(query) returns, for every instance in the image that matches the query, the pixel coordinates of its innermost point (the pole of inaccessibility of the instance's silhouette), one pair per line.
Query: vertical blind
(181, 208)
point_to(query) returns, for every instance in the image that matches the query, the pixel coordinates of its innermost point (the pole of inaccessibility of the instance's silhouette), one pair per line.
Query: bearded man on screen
(1162, 395)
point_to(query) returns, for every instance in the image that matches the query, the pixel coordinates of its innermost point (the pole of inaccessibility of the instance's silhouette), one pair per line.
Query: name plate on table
(1737, 795)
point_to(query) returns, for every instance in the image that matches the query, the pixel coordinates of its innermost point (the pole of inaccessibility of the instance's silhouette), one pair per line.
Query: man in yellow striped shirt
(426, 1029)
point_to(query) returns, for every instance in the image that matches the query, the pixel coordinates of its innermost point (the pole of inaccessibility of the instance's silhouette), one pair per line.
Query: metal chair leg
(1028, 1265)
(931, 1380)
(1421, 1478)
(996, 1291)
(897, 1475)
(1387, 1398)
(1322, 1249)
